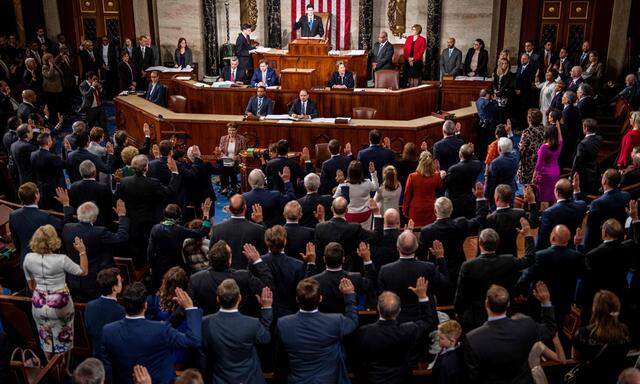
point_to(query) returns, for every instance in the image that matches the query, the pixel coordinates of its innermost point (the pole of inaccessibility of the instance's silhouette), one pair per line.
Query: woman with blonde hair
(51, 304)
(388, 195)
(420, 191)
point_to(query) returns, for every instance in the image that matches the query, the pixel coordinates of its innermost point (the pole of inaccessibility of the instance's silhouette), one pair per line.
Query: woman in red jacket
(420, 191)
(631, 139)
(414, 48)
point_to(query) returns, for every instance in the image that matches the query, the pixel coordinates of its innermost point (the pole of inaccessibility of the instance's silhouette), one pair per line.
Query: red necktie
(233, 76)
(96, 94)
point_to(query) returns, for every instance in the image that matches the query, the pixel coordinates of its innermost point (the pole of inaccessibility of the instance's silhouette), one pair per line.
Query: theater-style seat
(178, 103)
(322, 154)
(387, 78)
(398, 55)
(363, 113)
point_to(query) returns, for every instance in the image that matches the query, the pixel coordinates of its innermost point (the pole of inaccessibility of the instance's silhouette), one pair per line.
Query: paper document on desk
(279, 117)
(200, 85)
(355, 52)
(222, 84)
(184, 78)
(261, 49)
(164, 69)
(328, 120)
(334, 52)
(471, 78)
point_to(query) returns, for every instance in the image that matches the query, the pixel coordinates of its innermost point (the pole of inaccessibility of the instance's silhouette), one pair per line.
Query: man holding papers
(260, 104)
(233, 72)
(303, 108)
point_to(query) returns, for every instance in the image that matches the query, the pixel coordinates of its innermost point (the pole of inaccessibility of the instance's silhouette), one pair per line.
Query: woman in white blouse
(388, 195)
(51, 303)
(231, 145)
(358, 191)
(547, 90)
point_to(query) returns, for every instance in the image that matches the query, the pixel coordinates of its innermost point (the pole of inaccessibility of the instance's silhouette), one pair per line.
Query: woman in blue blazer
(342, 78)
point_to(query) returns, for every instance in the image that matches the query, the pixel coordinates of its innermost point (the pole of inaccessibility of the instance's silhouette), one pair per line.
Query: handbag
(26, 357)
(578, 371)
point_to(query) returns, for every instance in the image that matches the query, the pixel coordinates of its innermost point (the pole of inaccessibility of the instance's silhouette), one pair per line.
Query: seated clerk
(233, 72)
(264, 75)
(342, 78)
(156, 93)
(303, 108)
(260, 104)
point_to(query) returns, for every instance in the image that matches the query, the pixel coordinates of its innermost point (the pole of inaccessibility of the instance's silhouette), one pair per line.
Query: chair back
(387, 78)
(363, 113)
(322, 154)
(326, 22)
(398, 55)
(178, 103)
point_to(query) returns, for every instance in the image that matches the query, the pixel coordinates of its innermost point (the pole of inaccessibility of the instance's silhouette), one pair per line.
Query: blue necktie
(310, 24)
(259, 103)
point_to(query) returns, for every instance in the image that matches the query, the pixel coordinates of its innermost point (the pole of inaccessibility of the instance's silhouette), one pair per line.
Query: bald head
(407, 243)
(391, 218)
(388, 305)
(237, 205)
(560, 236)
(292, 211)
(339, 206)
(563, 189)
(29, 95)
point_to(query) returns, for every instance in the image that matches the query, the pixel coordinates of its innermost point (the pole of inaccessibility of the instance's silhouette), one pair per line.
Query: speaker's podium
(309, 46)
(303, 78)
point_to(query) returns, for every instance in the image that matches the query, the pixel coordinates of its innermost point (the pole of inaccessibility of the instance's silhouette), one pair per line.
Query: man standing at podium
(303, 108)
(310, 25)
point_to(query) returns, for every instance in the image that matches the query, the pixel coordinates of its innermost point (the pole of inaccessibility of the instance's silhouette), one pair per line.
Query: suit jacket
(202, 284)
(296, 108)
(403, 273)
(309, 204)
(126, 75)
(316, 29)
(287, 272)
(274, 168)
(585, 163)
(611, 205)
(142, 62)
(451, 64)
(243, 46)
(265, 109)
(502, 170)
(565, 212)
(24, 110)
(24, 221)
(272, 77)
(385, 250)
(556, 101)
(272, 203)
(574, 84)
(349, 235)
(97, 314)
(32, 83)
(564, 68)
(525, 77)
(47, 169)
(446, 151)
(157, 95)
(237, 232)
(505, 86)
(297, 238)
(330, 168)
(313, 343)
(545, 63)
(159, 169)
(346, 80)
(88, 63)
(129, 342)
(229, 342)
(332, 298)
(143, 196)
(75, 158)
(379, 156)
(459, 183)
(112, 56)
(498, 351)
(21, 154)
(388, 348)
(88, 96)
(241, 74)
(91, 190)
(382, 57)
(188, 57)
(586, 106)
(506, 222)
(483, 59)
(477, 275)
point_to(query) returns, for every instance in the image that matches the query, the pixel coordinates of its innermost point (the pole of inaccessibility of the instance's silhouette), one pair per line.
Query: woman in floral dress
(530, 141)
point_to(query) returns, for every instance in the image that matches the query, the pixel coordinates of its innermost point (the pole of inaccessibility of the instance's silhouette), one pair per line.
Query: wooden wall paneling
(501, 26)
(530, 21)
(601, 27)
(127, 23)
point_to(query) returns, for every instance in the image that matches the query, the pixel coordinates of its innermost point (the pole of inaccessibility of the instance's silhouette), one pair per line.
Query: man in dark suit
(611, 205)
(575, 79)
(298, 236)
(446, 151)
(233, 72)
(558, 93)
(524, 80)
(547, 57)
(502, 169)
(75, 158)
(586, 104)
(137, 341)
(460, 180)
(331, 166)
(563, 65)
(329, 279)
(47, 169)
(506, 220)
(491, 267)
(388, 348)
(403, 273)
(99, 243)
(8, 105)
(156, 92)
(158, 168)
(451, 60)
(21, 153)
(89, 189)
(385, 250)
(275, 167)
(303, 108)
(229, 338)
(259, 105)
(28, 105)
(567, 211)
(571, 128)
(310, 25)
(312, 340)
(105, 309)
(498, 351)
(270, 202)
(376, 154)
(382, 53)
(585, 161)
(238, 231)
(107, 57)
(142, 58)
(264, 75)
(582, 58)
(91, 91)
(310, 203)
(534, 57)
(24, 221)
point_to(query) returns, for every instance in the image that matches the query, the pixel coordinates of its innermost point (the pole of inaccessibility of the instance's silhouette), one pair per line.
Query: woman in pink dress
(547, 171)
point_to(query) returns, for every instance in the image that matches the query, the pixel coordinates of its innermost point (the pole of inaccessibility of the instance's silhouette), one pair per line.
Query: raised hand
(578, 238)
(206, 208)
(373, 205)
(346, 286)
(310, 255)
(141, 375)
(217, 152)
(386, 142)
(256, 214)
(109, 148)
(78, 244)
(339, 176)
(632, 211)
(410, 225)
(529, 194)
(421, 288)
(120, 208)
(541, 292)
(171, 163)
(183, 299)
(155, 150)
(423, 146)
(479, 190)
(319, 213)
(575, 182)
(285, 175)
(437, 249)
(347, 149)
(372, 167)
(305, 154)
(251, 253)
(266, 298)
(525, 228)
(364, 251)
(62, 196)
(146, 130)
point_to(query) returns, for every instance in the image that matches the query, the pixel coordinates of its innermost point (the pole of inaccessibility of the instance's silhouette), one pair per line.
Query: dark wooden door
(567, 23)
(91, 19)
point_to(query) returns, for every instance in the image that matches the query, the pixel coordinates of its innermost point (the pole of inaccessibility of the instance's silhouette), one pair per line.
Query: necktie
(96, 95)
(143, 52)
(342, 79)
(546, 59)
(304, 107)
(233, 75)
(259, 104)
(264, 77)
(310, 24)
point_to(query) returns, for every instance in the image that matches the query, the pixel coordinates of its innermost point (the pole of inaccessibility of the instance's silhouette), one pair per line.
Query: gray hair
(90, 371)
(256, 179)
(449, 127)
(29, 60)
(505, 145)
(87, 169)
(586, 89)
(443, 207)
(571, 96)
(292, 210)
(391, 217)
(577, 68)
(78, 126)
(388, 305)
(407, 243)
(88, 212)
(312, 182)
(139, 163)
(489, 239)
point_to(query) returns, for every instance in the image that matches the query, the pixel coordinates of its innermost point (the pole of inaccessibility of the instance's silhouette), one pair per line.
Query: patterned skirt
(53, 313)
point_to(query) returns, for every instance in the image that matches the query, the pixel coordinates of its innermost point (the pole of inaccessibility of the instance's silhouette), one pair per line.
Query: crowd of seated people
(278, 286)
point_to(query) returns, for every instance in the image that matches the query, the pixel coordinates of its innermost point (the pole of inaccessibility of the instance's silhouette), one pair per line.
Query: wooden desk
(205, 130)
(403, 104)
(458, 93)
(297, 78)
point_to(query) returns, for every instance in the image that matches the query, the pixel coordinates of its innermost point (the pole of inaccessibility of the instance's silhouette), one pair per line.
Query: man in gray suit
(451, 60)
(227, 328)
(382, 53)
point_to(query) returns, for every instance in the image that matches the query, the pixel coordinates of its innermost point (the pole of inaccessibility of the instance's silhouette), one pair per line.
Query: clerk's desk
(403, 104)
(205, 130)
